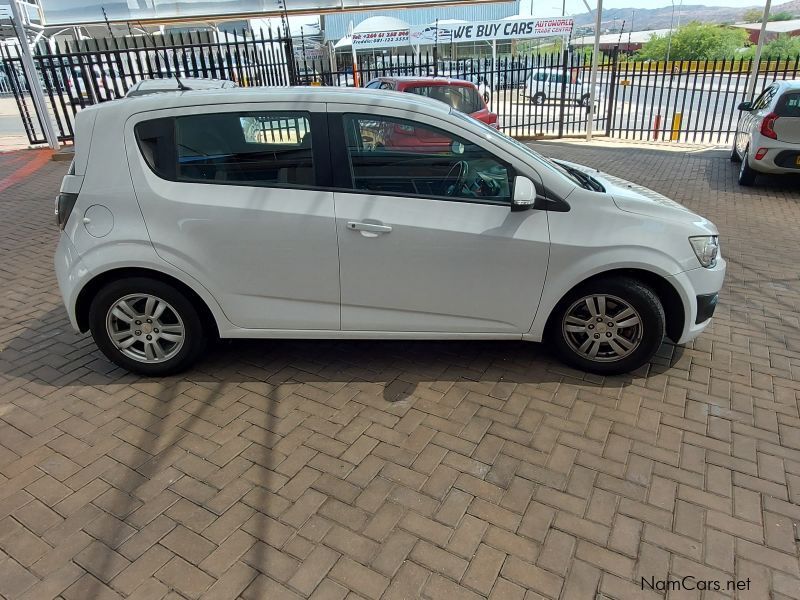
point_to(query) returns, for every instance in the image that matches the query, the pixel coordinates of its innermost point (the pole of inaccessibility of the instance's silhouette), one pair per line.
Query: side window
(386, 86)
(271, 149)
(373, 85)
(396, 156)
(764, 99)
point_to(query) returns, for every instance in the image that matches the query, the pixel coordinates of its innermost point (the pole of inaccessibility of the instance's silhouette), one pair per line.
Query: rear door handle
(371, 227)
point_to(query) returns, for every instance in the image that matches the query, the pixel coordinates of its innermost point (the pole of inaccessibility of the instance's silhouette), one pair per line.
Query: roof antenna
(181, 86)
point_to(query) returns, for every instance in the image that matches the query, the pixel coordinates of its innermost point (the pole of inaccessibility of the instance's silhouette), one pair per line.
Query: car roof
(240, 95)
(427, 80)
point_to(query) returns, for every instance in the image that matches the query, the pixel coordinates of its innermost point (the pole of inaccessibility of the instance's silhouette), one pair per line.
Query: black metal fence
(74, 79)
(534, 95)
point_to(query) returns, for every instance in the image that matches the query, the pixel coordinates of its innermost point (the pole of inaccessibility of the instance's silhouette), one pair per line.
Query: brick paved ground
(405, 470)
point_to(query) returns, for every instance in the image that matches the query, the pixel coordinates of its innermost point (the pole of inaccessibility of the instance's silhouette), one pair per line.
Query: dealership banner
(481, 31)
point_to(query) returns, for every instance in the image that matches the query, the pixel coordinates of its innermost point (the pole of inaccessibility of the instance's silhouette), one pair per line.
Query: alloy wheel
(145, 328)
(602, 328)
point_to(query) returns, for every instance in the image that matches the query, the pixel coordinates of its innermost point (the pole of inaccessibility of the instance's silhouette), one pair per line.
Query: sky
(553, 7)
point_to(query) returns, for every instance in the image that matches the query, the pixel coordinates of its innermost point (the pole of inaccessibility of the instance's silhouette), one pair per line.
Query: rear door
(233, 195)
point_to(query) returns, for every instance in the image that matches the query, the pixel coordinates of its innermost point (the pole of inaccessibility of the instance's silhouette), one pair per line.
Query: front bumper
(699, 290)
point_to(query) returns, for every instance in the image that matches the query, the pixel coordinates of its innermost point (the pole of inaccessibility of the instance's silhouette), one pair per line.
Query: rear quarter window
(461, 98)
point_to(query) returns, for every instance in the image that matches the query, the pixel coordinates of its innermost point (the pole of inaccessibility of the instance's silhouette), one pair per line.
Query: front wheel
(608, 326)
(146, 326)
(539, 98)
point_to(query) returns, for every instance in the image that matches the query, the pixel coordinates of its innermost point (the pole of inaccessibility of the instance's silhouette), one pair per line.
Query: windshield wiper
(587, 181)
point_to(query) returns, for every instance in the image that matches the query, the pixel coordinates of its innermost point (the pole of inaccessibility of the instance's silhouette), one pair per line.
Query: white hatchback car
(544, 85)
(273, 213)
(767, 138)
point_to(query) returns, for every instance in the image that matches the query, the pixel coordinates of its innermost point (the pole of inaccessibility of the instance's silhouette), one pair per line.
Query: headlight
(706, 248)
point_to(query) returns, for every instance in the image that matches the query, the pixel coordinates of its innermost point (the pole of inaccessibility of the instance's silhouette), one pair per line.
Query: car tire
(747, 176)
(538, 98)
(735, 158)
(177, 329)
(575, 331)
(583, 100)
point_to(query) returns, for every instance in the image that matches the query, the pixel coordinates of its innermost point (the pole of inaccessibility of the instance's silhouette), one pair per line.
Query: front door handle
(370, 227)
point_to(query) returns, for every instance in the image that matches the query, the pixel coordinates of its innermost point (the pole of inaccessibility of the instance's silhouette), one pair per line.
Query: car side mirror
(746, 106)
(524, 194)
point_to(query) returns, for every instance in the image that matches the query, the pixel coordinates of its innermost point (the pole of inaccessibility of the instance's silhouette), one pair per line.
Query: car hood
(640, 200)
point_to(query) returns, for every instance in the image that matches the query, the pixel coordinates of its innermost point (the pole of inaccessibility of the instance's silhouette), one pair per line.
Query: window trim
(343, 180)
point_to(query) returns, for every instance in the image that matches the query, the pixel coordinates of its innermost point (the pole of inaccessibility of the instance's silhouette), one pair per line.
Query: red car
(461, 95)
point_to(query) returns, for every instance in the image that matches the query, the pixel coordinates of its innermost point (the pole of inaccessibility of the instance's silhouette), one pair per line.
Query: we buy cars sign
(504, 30)
(464, 32)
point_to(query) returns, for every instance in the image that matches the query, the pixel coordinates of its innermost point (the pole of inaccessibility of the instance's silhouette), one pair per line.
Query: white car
(272, 213)
(547, 84)
(767, 138)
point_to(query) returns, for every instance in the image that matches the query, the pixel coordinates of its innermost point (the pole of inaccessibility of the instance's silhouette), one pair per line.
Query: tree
(781, 16)
(753, 15)
(783, 46)
(695, 41)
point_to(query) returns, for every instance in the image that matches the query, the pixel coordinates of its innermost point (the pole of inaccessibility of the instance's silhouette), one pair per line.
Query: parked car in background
(463, 96)
(97, 82)
(544, 85)
(767, 138)
(262, 213)
(170, 84)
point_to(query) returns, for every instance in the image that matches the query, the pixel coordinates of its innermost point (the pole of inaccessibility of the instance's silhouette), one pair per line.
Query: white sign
(465, 32)
(506, 29)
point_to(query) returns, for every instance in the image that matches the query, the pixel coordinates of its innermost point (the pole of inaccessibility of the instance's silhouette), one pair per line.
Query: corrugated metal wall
(336, 24)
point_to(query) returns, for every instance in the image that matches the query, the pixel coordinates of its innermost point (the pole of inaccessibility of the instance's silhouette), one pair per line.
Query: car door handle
(371, 227)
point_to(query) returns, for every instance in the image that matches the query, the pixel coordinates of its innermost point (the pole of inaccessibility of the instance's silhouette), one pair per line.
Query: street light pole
(593, 79)
(35, 84)
(751, 86)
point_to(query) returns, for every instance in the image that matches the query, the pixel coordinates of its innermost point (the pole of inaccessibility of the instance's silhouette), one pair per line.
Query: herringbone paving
(365, 470)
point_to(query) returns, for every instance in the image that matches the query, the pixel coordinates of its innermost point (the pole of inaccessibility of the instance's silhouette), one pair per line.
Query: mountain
(641, 19)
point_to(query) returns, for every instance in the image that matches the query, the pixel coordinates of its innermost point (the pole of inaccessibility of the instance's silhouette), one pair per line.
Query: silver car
(767, 138)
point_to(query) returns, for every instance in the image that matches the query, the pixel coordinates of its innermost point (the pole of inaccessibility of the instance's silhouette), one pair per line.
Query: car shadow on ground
(395, 370)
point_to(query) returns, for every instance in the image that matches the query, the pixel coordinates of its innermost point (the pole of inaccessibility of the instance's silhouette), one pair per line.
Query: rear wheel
(735, 158)
(608, 326)
(747, 176)
(538, 98)
(146, 326)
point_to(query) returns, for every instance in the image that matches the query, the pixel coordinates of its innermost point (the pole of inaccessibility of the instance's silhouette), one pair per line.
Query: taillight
(65, 202)
(768, 126)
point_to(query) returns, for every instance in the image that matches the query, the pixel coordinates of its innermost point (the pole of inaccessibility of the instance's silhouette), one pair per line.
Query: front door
(427, 240)
(230, 195)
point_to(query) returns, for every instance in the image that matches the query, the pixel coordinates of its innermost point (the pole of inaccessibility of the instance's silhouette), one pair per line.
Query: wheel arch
(674, 312)
(84, 300)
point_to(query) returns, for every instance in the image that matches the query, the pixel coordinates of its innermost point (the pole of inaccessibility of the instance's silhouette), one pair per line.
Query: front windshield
(494, 135)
